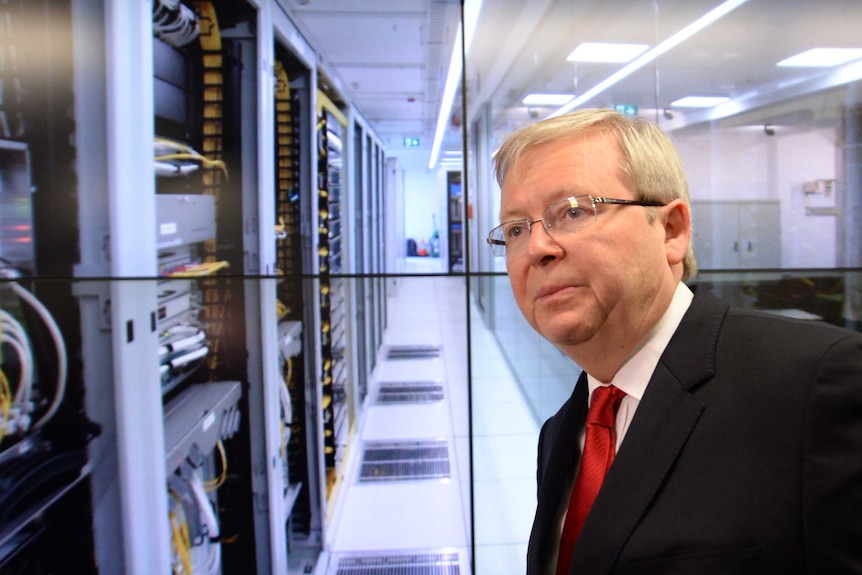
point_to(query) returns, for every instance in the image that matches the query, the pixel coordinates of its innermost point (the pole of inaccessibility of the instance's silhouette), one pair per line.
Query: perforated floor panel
(401, 352)
(407, 460)
(404, 564)
(409, 392)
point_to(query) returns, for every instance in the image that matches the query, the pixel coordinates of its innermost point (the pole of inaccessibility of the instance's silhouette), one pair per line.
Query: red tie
(598, 455)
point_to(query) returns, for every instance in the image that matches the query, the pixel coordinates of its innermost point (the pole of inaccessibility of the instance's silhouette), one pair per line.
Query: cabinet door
(760, 235)
(703, 234)
(737, 235)
(725, 225)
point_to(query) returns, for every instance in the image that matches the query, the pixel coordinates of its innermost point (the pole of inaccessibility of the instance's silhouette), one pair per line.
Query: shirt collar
(634, 375)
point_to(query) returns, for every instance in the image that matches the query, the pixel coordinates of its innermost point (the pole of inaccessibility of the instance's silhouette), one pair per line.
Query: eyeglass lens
(563, 217)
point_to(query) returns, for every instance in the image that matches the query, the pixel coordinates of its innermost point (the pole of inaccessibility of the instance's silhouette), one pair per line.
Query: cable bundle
(15, 412)
(195, 536)
(174, 158)
(182, 349)
(175, 23)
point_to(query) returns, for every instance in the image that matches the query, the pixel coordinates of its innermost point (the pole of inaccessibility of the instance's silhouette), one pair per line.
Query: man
(734, 443)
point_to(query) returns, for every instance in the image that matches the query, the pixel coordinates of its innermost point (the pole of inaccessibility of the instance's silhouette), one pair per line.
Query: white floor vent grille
(409, 392)
(412, 352)
(407, 564)
(404, 460)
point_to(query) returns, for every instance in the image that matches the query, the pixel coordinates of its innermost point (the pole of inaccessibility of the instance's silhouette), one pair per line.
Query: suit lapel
(665, 418)
(562, 443)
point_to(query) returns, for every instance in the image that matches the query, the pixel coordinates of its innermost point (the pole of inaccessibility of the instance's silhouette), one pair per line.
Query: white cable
(180, 344)
(210, 558)
(286, 405)
(172, 5)
(208, 517)
(15, 335)
(181, 330)
(23, 392)
(167, 169)
(59, 344)
(189, 357)
(187, 343)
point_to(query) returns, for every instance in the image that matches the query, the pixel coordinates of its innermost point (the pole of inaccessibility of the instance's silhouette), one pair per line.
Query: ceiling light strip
(453, 77)
(706, 20)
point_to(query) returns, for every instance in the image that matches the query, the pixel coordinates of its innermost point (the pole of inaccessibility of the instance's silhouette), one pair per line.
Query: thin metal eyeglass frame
(593, 201)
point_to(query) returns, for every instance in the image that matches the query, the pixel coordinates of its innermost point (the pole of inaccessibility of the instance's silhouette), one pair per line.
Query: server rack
(174, 209)
(203, 69)
(455, 221)
(44, 430)
(296, 238)
(334, 296)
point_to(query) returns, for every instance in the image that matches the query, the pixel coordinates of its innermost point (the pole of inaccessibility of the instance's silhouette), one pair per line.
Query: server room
(251, 324)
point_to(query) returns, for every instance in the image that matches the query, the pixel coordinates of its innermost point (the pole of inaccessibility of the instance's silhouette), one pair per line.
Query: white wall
(721, 164)
(807, 240)
(746, 164)
(423, 195)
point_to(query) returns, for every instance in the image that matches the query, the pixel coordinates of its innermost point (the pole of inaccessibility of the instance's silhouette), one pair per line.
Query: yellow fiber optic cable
(213, 484)
(196, 158)
(180, 537)
(5, 403)
(5, 394)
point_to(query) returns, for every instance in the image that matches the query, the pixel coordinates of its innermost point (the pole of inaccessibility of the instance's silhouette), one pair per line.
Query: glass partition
(767, 133)
(762, 100)
(358, 398)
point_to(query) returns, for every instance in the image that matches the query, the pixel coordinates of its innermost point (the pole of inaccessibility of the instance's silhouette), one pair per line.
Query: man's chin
(562, 334)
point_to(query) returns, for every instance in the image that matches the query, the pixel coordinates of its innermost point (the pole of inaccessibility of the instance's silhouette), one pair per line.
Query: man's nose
(542, 247)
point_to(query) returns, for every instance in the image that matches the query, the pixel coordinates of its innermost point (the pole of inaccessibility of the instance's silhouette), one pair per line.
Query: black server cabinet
(199, 152)
(45, 513)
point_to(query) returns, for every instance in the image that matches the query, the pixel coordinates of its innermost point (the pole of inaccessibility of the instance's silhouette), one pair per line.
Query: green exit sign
(629, 110)
(411, 142)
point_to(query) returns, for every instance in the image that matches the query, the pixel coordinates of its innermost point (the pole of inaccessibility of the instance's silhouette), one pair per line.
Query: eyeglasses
(559, 219)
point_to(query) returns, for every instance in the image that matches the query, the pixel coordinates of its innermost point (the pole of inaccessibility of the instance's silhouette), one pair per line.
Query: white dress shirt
(632, 378)
(634, 375)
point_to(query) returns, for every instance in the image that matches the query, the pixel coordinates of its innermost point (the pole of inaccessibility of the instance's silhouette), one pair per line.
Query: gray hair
(649, 159)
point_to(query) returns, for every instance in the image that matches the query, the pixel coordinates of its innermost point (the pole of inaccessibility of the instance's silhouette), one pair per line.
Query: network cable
(167, 152)
(59, 347)
(15, 411)
(213, 484)
(181, 564)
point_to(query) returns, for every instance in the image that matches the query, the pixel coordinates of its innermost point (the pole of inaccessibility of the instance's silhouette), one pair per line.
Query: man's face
(598, 284)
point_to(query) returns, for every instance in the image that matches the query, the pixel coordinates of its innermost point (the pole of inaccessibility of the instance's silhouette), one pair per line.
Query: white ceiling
(392, 55)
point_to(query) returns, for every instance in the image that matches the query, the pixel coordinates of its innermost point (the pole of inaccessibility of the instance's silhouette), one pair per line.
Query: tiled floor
(389, 517)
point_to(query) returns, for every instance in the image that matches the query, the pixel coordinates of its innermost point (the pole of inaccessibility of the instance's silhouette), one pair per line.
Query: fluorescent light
(471, 11)
(613, 52)
(453, 79)
(547, 99)
(699, 101)
(822, 58)
(647, 57)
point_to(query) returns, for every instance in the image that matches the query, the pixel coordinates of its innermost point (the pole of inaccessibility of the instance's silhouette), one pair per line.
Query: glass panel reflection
(771, 157)
(234, 383)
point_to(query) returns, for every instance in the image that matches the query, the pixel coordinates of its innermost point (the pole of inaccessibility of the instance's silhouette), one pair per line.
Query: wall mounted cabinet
(737, 235)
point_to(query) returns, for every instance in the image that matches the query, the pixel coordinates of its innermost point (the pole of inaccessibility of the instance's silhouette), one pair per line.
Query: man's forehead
(587, 151)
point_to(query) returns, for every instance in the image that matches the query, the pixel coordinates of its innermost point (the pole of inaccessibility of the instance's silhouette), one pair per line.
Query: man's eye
(574, 213)
(514, 231)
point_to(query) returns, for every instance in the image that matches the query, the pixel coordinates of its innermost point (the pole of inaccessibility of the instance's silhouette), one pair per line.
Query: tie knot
(604, 405)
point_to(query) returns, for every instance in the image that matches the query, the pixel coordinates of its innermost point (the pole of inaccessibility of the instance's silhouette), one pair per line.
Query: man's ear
(676, 217)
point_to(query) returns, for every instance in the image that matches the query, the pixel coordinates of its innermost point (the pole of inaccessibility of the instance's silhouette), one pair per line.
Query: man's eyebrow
(569, 191)
(511, 215)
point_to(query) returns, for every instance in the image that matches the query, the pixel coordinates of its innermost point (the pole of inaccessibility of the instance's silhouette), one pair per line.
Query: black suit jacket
(744, 456)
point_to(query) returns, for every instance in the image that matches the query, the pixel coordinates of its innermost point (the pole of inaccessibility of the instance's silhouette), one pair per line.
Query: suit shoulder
(763, 322)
